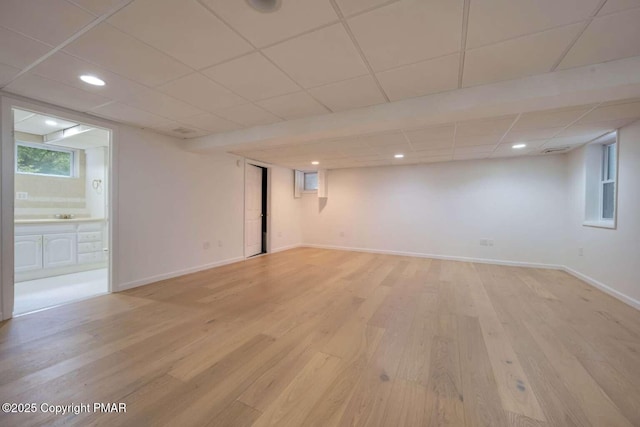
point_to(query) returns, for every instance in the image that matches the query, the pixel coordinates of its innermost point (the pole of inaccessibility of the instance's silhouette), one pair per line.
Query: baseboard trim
(604, 288)
(442, 257)
(171, 275)
(286, 248)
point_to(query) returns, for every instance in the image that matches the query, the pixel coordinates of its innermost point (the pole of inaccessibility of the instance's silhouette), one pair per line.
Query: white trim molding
(604, 288)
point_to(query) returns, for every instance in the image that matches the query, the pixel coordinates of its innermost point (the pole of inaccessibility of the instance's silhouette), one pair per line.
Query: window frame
(596, 170)
(607, 178)
(73, 173)
(304, 181)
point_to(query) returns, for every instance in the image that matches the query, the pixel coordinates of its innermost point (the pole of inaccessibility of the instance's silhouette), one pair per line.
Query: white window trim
(305, 191)
(74, 159)
(611, 224)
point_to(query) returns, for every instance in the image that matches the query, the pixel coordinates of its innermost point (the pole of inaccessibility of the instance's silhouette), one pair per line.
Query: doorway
(256, 210)
(61, 210)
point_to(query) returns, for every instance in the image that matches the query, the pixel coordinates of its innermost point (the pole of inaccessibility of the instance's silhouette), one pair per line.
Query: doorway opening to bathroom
(61, 210)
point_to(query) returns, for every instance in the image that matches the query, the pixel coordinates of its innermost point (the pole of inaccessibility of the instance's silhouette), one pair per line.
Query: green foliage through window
(44, 161)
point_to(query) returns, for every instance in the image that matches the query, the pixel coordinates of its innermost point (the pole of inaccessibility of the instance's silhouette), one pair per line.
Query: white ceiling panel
(471, 156)
(50, 21)
(567, 141)
(607, 112)
(248, 115)
(161, 104)
(422, 78)
(530, 135)
(180, 130)
(19, 51)
(491, 21)
(125, 55)
(408, 31)
(202, 92)
(42, 89)
(252, 76)
(211, 123)
(7, 73)
(549, 119)
(293, 106)
(97, 7)
(435, 137)
(353, 93)
(124, 113)
(484, 127)
(36, 124)
(524, 56)
(613, 6)
(475, 149)
(589, 128)
(262, 29)
(321, 57)
(605, 39)
(183, 29)
(351, 7)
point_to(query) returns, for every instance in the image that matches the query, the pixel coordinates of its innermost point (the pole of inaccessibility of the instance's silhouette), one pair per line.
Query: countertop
(56, 221)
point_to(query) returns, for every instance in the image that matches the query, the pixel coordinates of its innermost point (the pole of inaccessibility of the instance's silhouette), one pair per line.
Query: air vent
(555, 150)
(182, 131)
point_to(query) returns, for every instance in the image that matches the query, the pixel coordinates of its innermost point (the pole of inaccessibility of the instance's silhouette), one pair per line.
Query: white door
(60, 249)
(253, 211)
(28, 253)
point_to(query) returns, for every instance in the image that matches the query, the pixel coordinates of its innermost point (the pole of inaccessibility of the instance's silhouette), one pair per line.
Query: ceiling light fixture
(264, 6)
(51, 122)
(315, 162)
(518, 146)
(399, 156)
(92, 80)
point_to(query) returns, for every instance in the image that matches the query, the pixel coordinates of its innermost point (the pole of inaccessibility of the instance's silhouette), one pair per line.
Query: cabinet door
(60, 249)
(28, 253)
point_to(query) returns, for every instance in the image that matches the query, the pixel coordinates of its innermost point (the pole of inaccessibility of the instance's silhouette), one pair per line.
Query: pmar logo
(110, 407)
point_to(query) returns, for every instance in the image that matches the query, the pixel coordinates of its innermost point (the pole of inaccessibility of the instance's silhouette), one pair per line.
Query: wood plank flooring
(313, 337)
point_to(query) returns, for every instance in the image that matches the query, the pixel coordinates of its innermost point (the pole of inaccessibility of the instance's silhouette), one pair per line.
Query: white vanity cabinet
(50, 248)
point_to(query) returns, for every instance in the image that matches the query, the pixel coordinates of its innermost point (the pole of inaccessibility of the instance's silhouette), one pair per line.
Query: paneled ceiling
(190, 68)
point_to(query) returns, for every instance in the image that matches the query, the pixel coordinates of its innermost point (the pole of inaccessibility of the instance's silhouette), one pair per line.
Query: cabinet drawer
(89, 236)
(89, 247)
(91, 257)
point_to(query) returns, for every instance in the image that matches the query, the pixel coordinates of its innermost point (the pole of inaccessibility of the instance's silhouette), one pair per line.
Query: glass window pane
(36, 160)
(611, 162)
(310, 181)
(608, 199)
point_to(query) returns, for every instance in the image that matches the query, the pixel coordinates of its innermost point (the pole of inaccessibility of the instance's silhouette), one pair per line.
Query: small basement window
(310, 181)
(601, 182)
(37, 159)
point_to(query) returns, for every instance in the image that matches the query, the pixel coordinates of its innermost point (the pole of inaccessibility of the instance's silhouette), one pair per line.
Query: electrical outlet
(484, 242)
(21, 195)
(580, 251)
(206, 245)
(490, 242)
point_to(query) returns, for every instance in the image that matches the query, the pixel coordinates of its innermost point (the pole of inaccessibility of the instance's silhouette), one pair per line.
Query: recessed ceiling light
(399, 156)
(264, 6)
(51, 122)
(517, 146)
(92, 80)
(315, 162)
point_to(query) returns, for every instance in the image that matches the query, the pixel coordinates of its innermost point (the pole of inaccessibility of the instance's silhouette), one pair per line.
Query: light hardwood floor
(313, 337)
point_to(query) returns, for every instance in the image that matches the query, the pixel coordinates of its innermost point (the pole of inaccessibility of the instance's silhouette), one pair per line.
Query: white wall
(444, 209)
(611, 257)
(286, 212)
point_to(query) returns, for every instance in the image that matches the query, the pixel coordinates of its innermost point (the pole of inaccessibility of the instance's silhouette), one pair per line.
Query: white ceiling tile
(434, 137)
(475, 149)
(530, 145)
(161, 104)
(42, 89)
(7, 73)
(433, 152)
(183, 29)
(549, 118)
(97, 7)
(613, 6)
(589, 128)
(125, 113)
(408, 31)
(293, 106)
(495, 126)
(351, 7)
(248, 115)
(210, 122)
(468, 141)
(323, 56)
(603, 113)
(50, 21)
(572, 140)
(354, 93)
(491, 21)
(67, 69)
(180, 130)
(262, 29)
(423, 78)
(530, 135)
(25, 121)
(123, 54)
(253, 77)
(605, 39)
(471, 156)
(524, 56)
(19, 51)
(202, 92)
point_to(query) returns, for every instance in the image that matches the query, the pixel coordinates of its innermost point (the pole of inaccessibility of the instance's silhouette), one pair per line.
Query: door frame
(268, 167)
(7, 171)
